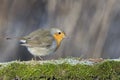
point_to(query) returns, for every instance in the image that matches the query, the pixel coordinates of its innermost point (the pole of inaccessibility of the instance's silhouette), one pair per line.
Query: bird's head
(58, 35)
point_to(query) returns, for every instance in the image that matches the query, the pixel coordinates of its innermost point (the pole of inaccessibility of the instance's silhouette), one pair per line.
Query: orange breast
(59, 38)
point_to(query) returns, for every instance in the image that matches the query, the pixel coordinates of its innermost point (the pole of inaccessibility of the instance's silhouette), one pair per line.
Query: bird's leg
(34, 58)
(40, 58)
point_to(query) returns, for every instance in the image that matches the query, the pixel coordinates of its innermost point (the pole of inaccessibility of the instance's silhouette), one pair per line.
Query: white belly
(36, 51)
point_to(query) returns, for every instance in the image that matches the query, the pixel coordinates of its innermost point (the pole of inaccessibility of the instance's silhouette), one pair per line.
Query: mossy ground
(106, 70)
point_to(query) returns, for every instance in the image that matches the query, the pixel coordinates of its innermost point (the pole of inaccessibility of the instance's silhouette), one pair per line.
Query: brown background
(92, 27)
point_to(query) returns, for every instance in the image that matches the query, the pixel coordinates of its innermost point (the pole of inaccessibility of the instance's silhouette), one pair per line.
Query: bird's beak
(65, 36)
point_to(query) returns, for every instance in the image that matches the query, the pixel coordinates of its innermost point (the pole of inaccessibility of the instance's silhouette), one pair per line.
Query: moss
(107, 70)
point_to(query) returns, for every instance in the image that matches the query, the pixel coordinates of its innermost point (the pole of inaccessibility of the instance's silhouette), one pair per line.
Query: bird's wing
(41, 37)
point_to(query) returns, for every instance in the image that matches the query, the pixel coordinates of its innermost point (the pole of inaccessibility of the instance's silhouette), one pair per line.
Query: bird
(44, 41)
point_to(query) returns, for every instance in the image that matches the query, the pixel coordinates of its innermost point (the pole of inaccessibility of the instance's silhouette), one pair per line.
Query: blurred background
(93, 27)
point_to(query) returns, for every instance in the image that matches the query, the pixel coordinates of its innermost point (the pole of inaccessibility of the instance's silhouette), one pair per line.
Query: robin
(43, 42)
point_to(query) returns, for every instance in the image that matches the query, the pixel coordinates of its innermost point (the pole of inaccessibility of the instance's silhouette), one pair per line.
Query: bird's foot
(41, 58)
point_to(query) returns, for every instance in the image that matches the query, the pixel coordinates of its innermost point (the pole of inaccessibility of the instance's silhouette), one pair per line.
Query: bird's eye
(59, 32)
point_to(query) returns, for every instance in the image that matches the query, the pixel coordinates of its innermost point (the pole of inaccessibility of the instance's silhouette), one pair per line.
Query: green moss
(108, 70)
